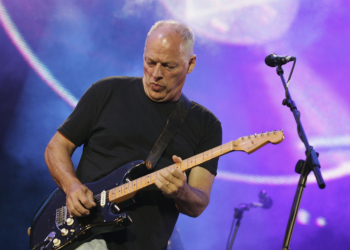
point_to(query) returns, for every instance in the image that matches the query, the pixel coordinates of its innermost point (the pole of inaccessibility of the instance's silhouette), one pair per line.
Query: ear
(192, 63)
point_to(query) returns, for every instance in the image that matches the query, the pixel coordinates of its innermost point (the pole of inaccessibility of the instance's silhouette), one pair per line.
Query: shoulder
(115, 86)
(202, 121)
(199, 110)
(116, 82)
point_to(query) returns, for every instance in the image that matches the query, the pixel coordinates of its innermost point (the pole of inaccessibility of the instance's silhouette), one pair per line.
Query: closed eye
(169, 67)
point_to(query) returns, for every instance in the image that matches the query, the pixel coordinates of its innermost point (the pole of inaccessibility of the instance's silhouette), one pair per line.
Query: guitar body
(50, 221)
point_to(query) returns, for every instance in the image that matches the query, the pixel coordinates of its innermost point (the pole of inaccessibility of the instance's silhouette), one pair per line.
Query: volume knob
(56, 242)
(64, 232)
(70, 221)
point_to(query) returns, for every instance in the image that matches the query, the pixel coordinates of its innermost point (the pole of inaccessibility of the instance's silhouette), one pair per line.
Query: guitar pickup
(103, 198)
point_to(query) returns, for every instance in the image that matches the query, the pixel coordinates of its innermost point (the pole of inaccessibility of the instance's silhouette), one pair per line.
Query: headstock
(252, 143)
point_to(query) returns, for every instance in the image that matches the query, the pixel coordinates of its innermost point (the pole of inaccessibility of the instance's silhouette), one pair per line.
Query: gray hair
(183, 30)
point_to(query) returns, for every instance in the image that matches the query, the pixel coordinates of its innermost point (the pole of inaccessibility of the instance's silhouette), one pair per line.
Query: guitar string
(98, 196)
(212, 151)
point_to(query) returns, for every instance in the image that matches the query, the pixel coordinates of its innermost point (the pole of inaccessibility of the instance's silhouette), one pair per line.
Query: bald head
(169, 28)
(167, 60)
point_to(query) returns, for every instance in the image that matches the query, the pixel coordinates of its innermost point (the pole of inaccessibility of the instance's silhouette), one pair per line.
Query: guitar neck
(247, 144)
(128, 190)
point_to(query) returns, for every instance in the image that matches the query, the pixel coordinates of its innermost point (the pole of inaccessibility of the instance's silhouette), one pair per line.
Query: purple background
(80, 42)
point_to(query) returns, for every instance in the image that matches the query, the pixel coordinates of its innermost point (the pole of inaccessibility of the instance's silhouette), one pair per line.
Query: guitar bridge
(61, 216)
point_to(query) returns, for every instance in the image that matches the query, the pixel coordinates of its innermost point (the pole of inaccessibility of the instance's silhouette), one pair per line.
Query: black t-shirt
(117, 123)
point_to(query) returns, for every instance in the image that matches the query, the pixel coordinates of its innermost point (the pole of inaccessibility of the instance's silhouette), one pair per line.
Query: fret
(144, 181)
(177, 166)
(199, 159)
(111, 194)
(126, 189)
(114, 193)
(153, 176)
(227, 148)
(119, 191)
(216, 151)
(148, 179)
(186, 165)
(192, 162)
(208, 155)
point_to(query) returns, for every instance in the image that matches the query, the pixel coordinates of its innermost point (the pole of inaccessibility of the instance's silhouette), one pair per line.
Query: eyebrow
(166, 63)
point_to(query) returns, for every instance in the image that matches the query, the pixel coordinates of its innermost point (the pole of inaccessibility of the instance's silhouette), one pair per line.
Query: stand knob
(299, 166)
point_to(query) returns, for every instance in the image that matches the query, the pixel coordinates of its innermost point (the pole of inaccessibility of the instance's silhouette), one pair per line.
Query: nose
(157, 72)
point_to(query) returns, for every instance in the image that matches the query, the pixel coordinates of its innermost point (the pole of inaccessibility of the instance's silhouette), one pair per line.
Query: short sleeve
(78, 126)
(211, 139)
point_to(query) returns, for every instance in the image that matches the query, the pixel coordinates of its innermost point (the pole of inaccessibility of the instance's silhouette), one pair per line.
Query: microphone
(273, 60)
(264, 201)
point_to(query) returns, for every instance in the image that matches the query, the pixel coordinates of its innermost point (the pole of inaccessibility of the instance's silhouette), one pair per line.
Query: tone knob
(56, 242)
(64, 232)
(70, 221)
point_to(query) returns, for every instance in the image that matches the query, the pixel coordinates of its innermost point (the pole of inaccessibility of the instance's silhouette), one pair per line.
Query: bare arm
(190, 198)
(58, 160)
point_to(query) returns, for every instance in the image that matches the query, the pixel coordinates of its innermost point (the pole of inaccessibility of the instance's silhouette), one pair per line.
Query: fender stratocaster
(53, 228)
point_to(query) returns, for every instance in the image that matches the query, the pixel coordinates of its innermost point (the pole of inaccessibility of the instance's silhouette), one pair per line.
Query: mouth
(156, 87)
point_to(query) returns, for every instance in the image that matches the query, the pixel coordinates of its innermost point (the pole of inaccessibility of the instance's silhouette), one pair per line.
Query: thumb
(177, 159)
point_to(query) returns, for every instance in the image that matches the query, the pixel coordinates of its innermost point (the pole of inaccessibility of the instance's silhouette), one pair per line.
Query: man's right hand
(79, 200)
(58, 159)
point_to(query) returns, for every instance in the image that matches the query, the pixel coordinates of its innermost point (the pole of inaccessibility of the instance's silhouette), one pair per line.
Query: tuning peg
(255, 135)
(242, 138)
(268, 133)
(282, 130)
(274, 132)
(262, 134)
(249, 137)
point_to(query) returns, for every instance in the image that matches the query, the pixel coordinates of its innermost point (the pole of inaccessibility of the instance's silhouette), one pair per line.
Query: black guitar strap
(175, 120)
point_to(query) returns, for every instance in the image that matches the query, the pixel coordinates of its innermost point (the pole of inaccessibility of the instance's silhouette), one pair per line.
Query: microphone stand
(303, 167)
(237, 221)
(265, 202)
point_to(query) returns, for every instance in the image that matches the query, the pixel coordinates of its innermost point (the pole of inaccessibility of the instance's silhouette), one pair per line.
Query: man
(118, 120)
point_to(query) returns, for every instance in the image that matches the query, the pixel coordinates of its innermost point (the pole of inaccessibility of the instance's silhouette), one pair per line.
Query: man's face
(165, 66)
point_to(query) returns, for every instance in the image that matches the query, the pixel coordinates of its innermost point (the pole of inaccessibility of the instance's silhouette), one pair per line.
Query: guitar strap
(175, 120)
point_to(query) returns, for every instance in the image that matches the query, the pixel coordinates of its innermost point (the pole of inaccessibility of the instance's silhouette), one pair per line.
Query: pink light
(321, 222)
(303, 217)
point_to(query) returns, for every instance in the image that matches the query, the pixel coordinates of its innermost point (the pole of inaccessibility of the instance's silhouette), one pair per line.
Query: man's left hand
(172, 181)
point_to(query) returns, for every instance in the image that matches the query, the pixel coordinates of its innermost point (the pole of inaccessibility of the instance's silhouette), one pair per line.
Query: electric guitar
(53, 229)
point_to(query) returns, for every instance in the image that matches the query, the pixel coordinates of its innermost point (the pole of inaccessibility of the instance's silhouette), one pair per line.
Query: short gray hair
(182, 29)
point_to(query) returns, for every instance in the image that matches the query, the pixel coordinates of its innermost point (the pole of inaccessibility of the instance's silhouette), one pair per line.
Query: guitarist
(118, 120)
